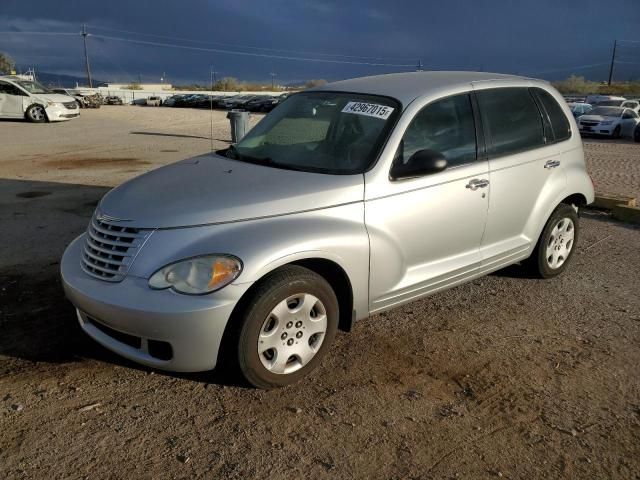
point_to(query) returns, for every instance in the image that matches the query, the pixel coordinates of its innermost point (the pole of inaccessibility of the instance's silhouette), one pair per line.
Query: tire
(616, 132)
(285, 328)
(556, 244)
(636, 134)
(36, 114)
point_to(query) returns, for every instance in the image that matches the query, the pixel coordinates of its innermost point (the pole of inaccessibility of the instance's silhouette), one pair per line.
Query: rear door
(524, 160)
(10, 100)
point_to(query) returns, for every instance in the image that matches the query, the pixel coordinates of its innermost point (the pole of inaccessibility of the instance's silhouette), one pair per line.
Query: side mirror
(423, 162)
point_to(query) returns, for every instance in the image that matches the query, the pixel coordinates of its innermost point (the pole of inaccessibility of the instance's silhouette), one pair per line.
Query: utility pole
(86, 55)
(214, 79)
(273, 80)
(419, 66)
(613, 61)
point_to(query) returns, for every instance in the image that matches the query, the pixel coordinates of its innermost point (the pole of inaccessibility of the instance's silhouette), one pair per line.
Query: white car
(154, 101)
(30, 100)
(614, 122)
(632, 104)
(596, 99)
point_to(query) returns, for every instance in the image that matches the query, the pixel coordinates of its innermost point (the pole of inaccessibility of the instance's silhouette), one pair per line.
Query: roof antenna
(212, 73)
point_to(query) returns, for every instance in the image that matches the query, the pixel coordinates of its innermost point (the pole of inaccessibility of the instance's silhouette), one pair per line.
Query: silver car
(346, 200)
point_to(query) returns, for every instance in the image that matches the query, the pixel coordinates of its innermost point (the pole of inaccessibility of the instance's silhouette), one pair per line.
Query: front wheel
(36, 114)
(616, 132)
(556, 244)
(287, 326)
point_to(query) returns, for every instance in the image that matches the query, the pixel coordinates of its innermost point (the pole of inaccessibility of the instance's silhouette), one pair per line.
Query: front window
(32, 87)
(445, 126)
(325, 132)
(607, 111)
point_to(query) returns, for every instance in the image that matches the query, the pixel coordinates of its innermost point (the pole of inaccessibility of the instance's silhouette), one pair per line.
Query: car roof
(408, 86)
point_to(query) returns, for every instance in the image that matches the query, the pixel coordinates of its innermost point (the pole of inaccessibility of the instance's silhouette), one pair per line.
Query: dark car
(265, 103)
(113, 100)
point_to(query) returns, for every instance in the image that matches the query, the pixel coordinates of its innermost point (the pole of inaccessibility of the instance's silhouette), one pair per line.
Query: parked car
(113, 100)
(170, 101)
(236, 101)
(614, 122)
(596, 99)
(265, 103)
(154, 101)
(76, 95)
(28, 99)
(610, 103)
(349, 199)
(579, 109)
(632, 104)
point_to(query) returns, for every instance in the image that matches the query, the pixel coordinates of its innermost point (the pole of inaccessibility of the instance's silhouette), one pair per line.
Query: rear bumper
(138, 318)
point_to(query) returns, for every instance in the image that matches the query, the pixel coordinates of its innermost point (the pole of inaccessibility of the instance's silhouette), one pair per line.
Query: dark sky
(545, 38)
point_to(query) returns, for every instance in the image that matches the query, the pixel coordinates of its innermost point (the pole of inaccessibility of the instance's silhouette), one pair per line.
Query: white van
(28, 99)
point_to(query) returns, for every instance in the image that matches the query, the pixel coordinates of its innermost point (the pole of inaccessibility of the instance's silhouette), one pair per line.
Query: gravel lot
(506, 377)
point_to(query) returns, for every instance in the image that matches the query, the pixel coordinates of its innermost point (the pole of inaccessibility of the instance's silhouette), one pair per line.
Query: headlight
(52, 104)
(606, 122)
(198, 275)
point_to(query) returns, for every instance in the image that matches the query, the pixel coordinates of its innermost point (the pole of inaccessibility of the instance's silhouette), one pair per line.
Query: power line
(205, 42)
(250, 54)
(21, 32)
(577, 67)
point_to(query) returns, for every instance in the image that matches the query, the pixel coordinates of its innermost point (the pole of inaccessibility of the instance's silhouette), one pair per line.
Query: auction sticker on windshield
(368, 109)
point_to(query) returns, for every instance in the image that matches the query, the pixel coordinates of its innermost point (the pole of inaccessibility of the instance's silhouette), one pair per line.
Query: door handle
(477, 183)
(552, 164)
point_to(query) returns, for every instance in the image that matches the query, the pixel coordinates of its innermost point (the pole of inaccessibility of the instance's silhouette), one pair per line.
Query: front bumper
(597, 130)
(138, 318)
(59, 114)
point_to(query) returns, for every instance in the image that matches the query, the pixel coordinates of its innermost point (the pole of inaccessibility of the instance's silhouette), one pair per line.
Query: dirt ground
(505, 377)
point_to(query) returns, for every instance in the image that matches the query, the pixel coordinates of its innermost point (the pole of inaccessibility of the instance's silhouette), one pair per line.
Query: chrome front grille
(109, 249)
(589, 124)
(70, 105)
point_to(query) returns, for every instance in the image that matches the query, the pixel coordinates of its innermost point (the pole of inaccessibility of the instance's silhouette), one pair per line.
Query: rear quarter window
(511, 119)
(559, 124)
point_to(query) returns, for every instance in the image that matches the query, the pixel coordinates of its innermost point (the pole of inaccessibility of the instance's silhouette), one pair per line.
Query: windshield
(326, 132)
(32, 87)
(607, 111)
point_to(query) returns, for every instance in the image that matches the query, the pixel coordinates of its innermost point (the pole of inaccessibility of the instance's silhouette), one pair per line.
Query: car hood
(213, 189)
(597, 118)
(54, 97)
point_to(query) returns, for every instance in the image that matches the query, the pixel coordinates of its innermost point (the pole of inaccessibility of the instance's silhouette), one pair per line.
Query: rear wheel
(286, 328)
(556, 244)
(636, 134)
(36, 114)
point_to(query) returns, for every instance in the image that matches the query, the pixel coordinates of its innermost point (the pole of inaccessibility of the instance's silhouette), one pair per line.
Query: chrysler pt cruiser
(346, 200)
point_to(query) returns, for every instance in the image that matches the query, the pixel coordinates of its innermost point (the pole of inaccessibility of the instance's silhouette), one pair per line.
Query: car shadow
(38, 324)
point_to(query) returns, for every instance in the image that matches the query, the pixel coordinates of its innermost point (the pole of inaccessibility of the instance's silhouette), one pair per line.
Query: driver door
(10, 100)
(629, 121)
(425, 234)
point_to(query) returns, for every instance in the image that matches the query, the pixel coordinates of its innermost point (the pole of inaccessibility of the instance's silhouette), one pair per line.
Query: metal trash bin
(239, 120)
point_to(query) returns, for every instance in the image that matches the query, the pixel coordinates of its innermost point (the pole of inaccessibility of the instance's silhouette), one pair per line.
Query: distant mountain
(66, 81)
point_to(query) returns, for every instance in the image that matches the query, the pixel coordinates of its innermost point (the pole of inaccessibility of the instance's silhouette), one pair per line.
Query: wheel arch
(33, 104)
(330, 270)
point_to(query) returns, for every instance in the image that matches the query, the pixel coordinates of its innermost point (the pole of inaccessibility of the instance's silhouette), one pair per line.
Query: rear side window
(511, 119)
(446, 126)
(559, 123)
